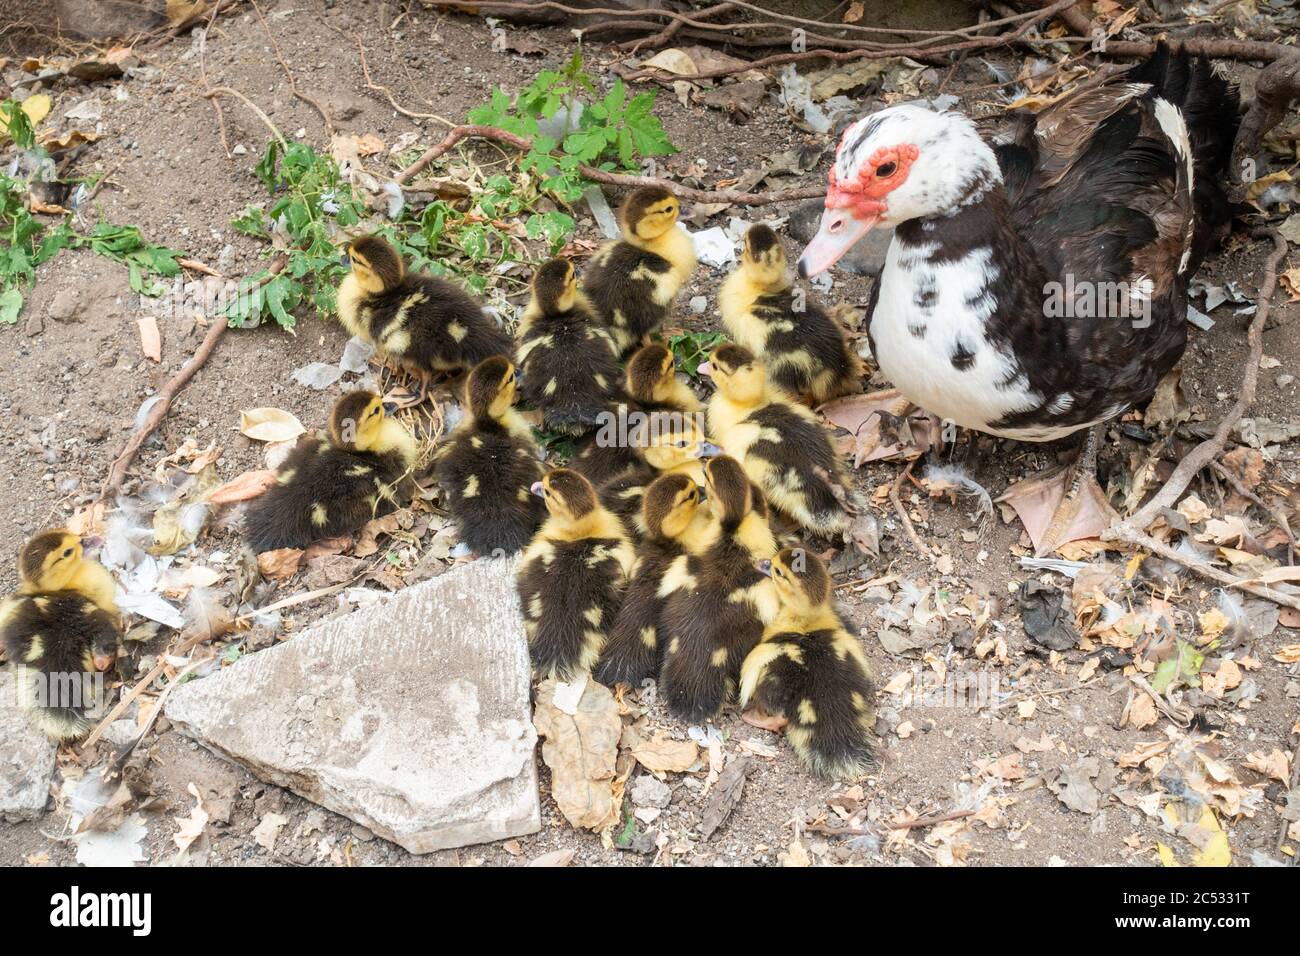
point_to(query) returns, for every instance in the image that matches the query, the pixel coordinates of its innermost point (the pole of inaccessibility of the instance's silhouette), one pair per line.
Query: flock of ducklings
(665, 550)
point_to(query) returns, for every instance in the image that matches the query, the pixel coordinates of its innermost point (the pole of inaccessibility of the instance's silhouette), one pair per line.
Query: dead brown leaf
(581, 749)
(279, 564)
(665, 755)
(243, 487)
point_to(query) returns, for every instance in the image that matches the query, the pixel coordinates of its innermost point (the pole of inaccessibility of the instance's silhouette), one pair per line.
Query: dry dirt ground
(69, 390)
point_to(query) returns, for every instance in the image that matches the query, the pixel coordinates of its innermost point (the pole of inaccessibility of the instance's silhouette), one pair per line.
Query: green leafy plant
(143, 259)
(691, 349)
(24, 245)
(311, 203)
(614, 131)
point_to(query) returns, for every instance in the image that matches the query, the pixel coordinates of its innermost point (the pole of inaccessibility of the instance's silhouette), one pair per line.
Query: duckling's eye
(67, 552)
(886, 169)
(778, 572)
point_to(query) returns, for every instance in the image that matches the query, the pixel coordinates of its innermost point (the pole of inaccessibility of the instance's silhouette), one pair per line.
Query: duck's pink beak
(840, 229)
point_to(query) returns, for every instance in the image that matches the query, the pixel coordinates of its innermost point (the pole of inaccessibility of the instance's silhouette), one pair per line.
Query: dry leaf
(665, 755)
(1274, 764)
(150, 337)
(270, 424)
(554, 858)
(1290, 654)
(581, 750)
(1141, 712)
(243, 487)
(279, 564)
(191, 828)
(673, 61)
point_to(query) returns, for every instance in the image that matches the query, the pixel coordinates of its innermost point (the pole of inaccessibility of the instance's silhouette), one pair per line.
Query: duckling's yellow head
(490, 388)
(736, 373)
(799, 577)
(670, 505)
(731, 494)
(357, 422)
(555, 287)
(763, 259)
(377, 266)
(568, 495)
(648, 213)
(50, 561)
(651, 373)
(670, 439)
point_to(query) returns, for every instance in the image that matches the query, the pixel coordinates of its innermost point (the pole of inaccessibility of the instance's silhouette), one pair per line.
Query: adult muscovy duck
(1038, 287)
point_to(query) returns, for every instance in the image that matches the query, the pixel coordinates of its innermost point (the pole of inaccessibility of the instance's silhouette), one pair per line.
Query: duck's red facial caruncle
(855, 204)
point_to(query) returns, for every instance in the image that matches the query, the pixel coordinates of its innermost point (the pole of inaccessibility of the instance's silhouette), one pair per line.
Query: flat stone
(409, 716)
(26, 759)
(866, 258)
(649, 792)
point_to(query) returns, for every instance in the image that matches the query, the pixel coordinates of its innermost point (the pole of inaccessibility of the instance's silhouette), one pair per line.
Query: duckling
(420, 322)
(489, 465)
(676, 522)
(650, 385)
(667, 443)
(61, 631)
(783, 446)
(569, 362)
(717, 602)
(330, 487)
(633, 280)
(652, 381)
(811, 670)
(572, 577)
(806, 353)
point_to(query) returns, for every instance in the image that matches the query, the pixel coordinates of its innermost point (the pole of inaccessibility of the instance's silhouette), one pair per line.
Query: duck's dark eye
(886, 169)
(67, 552)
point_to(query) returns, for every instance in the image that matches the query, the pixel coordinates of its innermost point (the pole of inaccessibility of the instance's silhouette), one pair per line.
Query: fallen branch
(1138, 539)
(930, 821)
(496, 135)
(1078, 21)
(1210, 449)
(117, 471)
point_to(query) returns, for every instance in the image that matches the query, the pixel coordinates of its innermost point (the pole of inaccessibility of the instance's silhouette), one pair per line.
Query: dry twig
(117, 472)
(288, 74)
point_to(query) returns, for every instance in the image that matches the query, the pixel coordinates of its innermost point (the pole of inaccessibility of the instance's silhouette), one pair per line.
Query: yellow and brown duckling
(569, 362)
(666, 443)
(572, 577)
(332, 486)
(811, 670)
(61, 631)
(806, 352)
(652, 381)
(717, 602)
(650, 385)
(677, 523)
(784, 448)
(424, 324)
(632, 281)
(489, 465)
